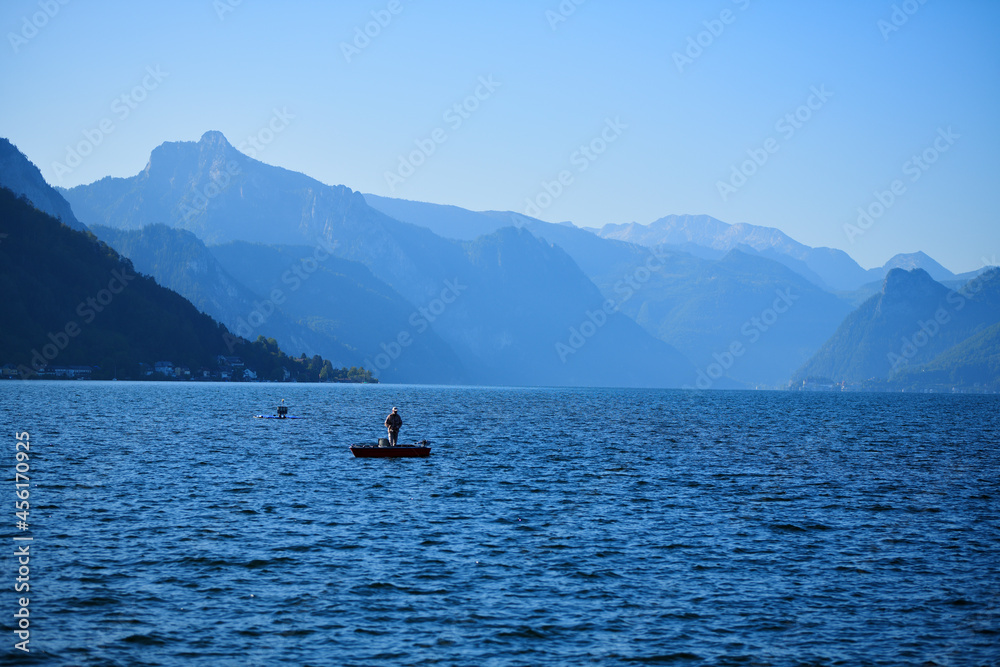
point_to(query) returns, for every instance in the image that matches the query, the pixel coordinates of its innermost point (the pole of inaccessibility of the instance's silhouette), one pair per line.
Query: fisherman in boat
(393, 422)
(282, 410)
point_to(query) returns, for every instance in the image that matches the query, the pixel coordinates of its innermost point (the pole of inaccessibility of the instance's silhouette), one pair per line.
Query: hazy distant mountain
(908, 262)
(178, 259)
(834, 268)
(702, 230)
(909, 323)
(825, 267)
(918, 260)
(753, 317)
(20, 175)
(545, 314)
(451, 222)
(344, 309)
(703, 307)
(219, 194)
(699, 235)
(695, 302)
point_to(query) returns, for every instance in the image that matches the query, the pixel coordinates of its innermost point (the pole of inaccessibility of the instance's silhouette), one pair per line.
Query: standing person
(282, 410)
(393, 422)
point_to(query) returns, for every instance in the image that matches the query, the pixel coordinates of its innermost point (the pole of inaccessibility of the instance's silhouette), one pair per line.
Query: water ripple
(547, 528)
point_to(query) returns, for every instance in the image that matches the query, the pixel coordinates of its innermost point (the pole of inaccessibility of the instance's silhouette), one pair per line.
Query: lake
(548, 527)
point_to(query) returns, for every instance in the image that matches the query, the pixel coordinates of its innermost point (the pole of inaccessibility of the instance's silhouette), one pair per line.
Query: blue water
(548, 527)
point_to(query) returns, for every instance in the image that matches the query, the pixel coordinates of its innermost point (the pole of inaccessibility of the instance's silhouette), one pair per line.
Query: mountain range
(699, 305)
(700, 235)
(826, 267)
(421, 292)
(503, 302)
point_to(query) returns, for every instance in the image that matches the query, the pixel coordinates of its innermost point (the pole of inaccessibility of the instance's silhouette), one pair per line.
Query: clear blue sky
(887, 94)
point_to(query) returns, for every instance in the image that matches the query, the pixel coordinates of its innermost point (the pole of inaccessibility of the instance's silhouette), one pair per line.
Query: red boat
(381, 451)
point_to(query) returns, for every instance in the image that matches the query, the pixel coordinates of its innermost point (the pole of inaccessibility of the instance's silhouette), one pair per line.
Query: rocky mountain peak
(903, 281)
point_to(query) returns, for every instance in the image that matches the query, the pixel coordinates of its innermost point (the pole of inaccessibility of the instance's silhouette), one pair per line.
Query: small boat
(384, 451)
(282, 413)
